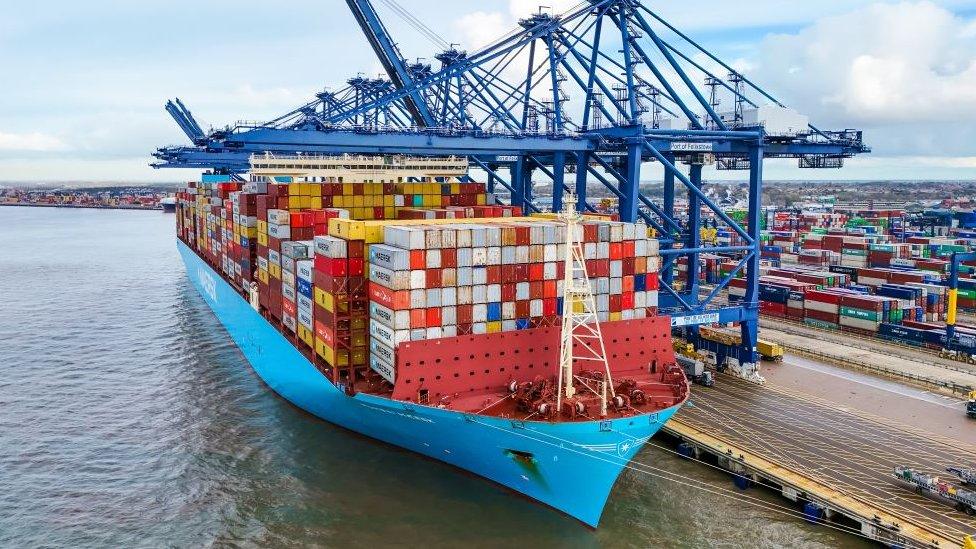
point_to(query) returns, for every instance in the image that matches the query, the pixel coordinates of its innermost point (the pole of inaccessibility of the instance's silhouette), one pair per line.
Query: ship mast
(581, 338)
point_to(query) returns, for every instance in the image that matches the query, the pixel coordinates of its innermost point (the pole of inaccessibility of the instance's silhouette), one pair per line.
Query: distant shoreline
(84, 207)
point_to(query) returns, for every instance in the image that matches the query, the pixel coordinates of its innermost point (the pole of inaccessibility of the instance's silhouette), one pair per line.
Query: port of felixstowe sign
(694, 320)
(680, 146)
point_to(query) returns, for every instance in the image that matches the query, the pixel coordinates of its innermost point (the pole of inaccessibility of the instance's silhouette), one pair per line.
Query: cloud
(30, 142)
(906, 72)
(886, 63)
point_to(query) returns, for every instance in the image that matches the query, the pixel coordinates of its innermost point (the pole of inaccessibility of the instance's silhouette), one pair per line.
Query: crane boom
(391, 59)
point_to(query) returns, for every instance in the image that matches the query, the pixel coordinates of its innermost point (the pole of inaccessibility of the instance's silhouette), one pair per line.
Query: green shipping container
(859, 313)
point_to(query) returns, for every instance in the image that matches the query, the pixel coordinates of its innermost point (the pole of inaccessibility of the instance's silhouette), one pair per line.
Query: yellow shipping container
(263, 238)
(263, 275)
(249, 232)
(493, 327)
(614, 317)
(325, 299)
(306, 335)
(316, 202)
(274, 270)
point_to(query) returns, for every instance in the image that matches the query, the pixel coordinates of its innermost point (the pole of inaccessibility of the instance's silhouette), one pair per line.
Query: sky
(85, 82)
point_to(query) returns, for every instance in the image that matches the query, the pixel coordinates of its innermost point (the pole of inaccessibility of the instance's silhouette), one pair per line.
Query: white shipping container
(287, 277)
(449, 277)
(432, 238)
(304, 303)
(263, 263)
(433, 259)
(304, 318)
(387, 335)
(479, 328)
(493, 256)
(304, 268)
(449, 316)
(550, 271)
(479, 294)
(508, 310)
(448, 296)
(289, 322)
(382, 368)
(389, 257)
(535, 307)
(479, 275)
(288, 292)
(652, 298)
(464, 257)
(418, 299)
(381, 351)
(278, 217)
(274, 257)
(521, 254)
(449, 331)
(287, 263)
(464, 296)
(434, 297)
(394, 280)
(281, 232)
(509, 326)
(493, 293)
(448, 237)
(330, 246)
(479, 257)
(398, 320)
(417, 278)
(860, 323)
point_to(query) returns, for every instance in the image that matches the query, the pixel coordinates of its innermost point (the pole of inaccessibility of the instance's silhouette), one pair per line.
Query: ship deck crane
(590, 74)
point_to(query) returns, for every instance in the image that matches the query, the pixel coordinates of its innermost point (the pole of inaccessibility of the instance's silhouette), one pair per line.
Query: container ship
(389, 296)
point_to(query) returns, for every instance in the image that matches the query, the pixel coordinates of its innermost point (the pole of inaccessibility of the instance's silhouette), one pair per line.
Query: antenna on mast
(581, 338)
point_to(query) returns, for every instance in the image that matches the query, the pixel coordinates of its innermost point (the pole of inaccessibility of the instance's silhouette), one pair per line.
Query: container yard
(380, 257)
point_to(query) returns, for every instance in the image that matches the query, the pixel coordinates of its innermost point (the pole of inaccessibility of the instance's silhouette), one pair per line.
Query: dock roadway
(845, 453)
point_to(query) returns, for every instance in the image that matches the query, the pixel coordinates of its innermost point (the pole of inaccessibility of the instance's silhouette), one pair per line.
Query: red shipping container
(550, 307)
(627, 300)
(464, 314)
(355, 248)
(449, 258)
(493, 274)
(418, 259)
(288, 307)
(433, 317)
(616, 251)
(615, 303)
(652, 282)
(396, 300)
(418, 318)
(433, 278)
(536, 271)
(508, 291)
(773, 309)
(521, 272)
(522, 309)
(357, 267)
(536, 289)
(324, 333)
(301, 219)
(549, 289)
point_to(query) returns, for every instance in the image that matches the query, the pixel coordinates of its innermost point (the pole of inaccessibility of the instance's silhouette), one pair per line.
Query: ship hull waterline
(569, 466)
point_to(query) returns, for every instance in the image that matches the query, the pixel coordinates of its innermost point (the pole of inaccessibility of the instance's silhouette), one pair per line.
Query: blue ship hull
(570, 466)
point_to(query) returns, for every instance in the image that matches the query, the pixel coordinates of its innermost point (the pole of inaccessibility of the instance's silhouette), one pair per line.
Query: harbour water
(127, 421)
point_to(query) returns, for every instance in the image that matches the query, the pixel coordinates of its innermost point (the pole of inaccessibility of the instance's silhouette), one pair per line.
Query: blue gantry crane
(586, 96)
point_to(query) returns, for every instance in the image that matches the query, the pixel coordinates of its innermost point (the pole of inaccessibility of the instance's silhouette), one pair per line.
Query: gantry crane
(564, 94)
